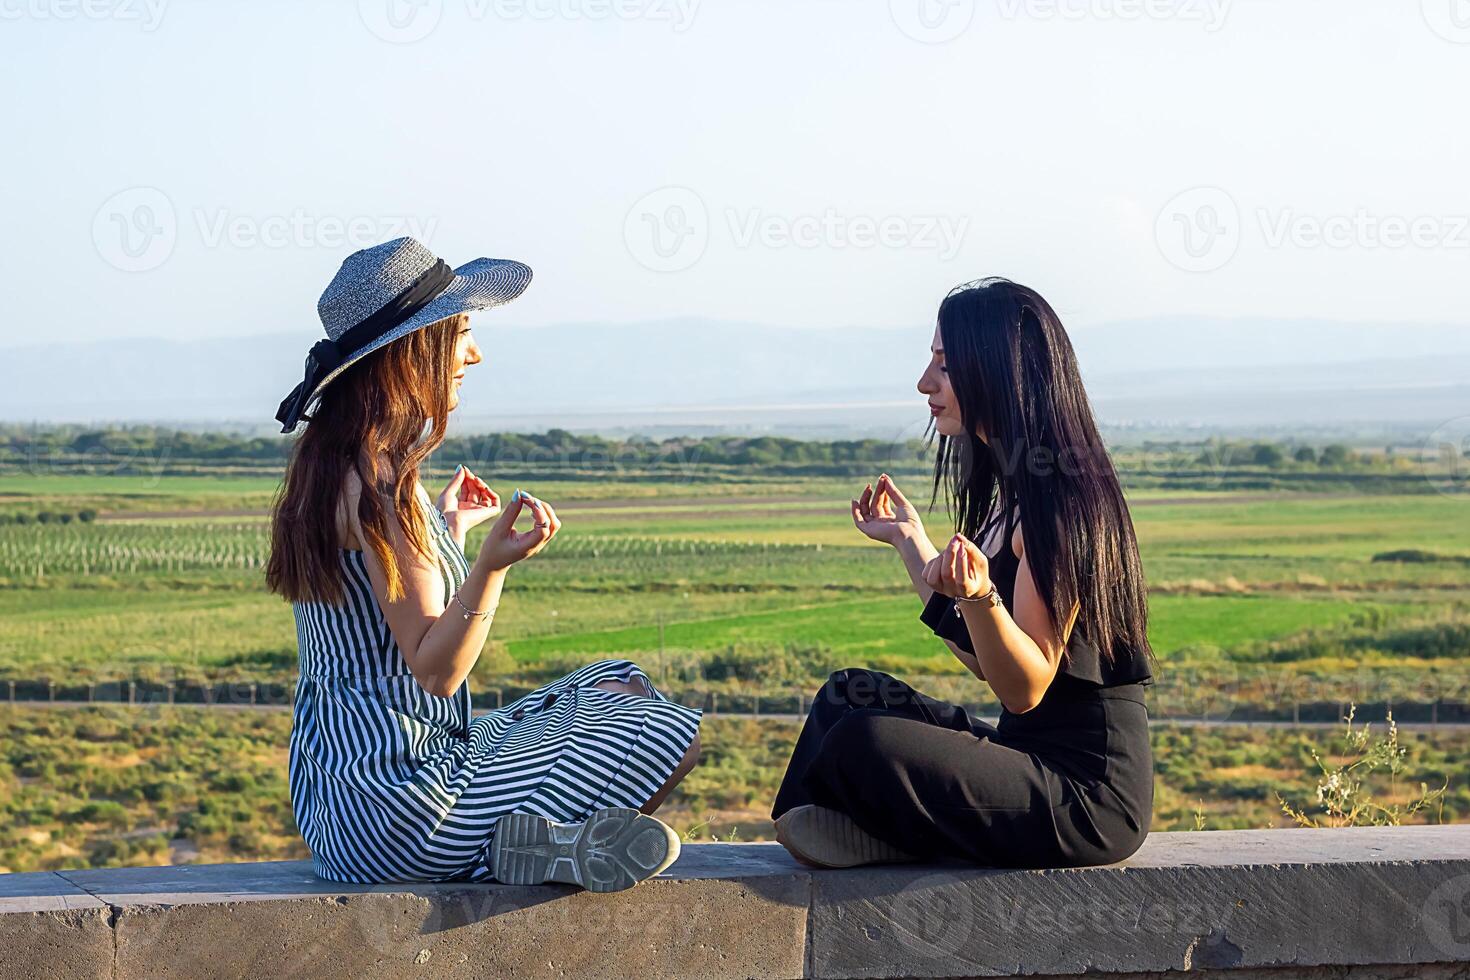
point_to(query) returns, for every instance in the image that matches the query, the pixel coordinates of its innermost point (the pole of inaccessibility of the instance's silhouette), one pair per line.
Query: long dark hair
(1015, 378)
(372, 415)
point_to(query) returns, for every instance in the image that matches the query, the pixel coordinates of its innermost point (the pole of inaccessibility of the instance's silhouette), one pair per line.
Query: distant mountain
(699, 375)
(1163, 343)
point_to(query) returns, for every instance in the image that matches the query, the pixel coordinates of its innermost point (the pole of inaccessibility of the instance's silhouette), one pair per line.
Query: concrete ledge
(1359, 902)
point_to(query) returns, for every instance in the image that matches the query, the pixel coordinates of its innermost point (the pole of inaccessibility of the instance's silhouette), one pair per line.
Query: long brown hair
(1015, 376)
(372, 414)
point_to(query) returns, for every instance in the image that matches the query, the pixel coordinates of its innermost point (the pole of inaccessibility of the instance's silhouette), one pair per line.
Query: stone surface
(51, 928)
(1360, 903)
(1221, 900)
(43, 891)
(721, 911)
(1415, 971)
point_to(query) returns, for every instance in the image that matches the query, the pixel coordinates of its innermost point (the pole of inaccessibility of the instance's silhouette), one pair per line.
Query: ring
(547, 524)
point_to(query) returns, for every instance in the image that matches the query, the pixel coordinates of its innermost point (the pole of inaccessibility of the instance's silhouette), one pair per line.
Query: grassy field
(112, 786)
(630, 575)
(714, 585)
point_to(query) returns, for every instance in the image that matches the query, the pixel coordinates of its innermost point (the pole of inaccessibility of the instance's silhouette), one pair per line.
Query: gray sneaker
(615, 848)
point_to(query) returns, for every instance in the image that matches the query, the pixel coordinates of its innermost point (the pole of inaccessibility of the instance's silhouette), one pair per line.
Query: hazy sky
(200, 167)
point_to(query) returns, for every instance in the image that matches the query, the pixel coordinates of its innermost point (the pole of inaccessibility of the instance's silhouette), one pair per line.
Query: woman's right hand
(505, 546)
(884, 514)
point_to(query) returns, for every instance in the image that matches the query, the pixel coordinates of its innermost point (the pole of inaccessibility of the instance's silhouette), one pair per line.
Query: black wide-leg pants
(1068, 783)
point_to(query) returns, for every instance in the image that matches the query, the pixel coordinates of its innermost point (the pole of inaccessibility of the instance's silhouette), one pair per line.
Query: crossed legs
(639, 688)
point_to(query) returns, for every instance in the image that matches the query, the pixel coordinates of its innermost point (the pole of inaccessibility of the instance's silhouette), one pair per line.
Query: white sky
(1050, 138)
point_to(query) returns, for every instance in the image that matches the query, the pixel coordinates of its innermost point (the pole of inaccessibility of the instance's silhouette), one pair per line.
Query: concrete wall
(1359, 903)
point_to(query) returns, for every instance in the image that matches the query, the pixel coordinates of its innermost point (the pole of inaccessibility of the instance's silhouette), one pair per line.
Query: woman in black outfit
(881, 772)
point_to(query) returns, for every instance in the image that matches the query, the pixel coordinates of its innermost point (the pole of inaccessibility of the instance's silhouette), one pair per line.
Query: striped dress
(391, 783)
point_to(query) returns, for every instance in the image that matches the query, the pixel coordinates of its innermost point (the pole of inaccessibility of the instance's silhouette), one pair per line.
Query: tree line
(21, 442)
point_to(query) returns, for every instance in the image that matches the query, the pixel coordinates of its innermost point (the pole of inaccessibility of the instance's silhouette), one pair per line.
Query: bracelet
(468, 612)
(991, 598)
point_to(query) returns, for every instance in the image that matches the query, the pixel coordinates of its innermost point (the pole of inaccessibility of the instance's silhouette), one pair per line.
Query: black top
(1081, 663)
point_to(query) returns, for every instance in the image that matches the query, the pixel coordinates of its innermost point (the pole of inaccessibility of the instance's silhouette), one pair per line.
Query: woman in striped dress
(392, 777)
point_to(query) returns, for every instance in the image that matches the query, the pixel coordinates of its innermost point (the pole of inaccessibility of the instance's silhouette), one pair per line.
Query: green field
(756, 568)
(732, 587)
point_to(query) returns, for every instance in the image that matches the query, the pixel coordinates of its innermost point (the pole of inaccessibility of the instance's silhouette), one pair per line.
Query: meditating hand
(505, 545)
(884, 514)
(960, 571)
(466, 502)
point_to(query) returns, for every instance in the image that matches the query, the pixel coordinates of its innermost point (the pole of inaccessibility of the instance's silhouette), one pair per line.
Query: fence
(785, 703)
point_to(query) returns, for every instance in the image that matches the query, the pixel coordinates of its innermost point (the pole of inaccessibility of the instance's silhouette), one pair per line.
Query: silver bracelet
(468, 612)
(991, 598)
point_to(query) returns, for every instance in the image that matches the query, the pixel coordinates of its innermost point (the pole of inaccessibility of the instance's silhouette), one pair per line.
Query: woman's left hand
(467, 501)
(961, 570)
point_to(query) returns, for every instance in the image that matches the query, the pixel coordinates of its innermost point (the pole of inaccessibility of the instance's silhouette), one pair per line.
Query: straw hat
(386, 292)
